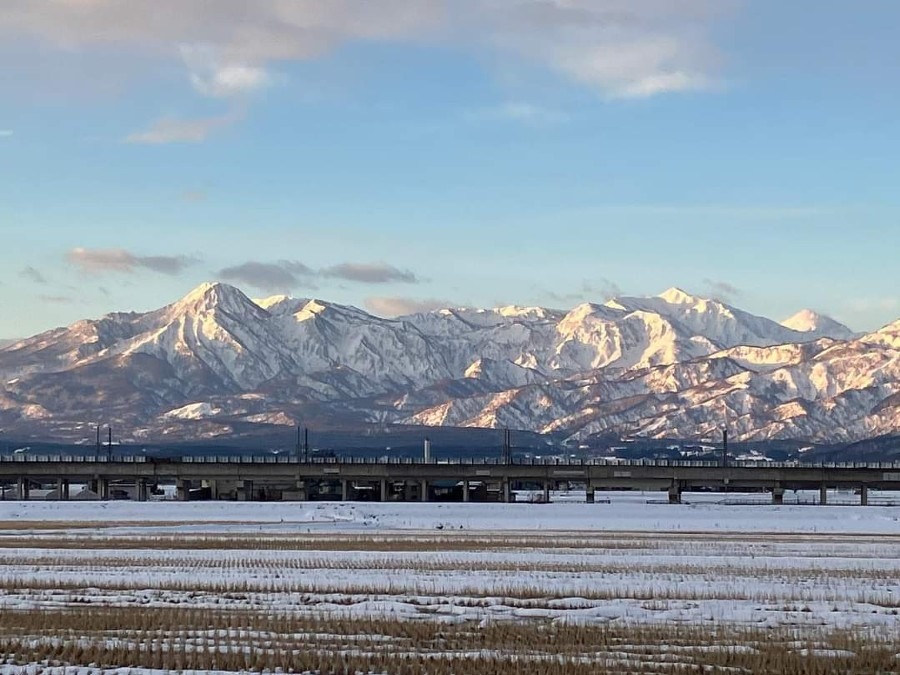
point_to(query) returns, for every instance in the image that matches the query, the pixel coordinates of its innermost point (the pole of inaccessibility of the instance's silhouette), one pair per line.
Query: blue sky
(404, 154)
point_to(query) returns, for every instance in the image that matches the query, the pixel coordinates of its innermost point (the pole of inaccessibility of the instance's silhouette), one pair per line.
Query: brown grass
(176, 639)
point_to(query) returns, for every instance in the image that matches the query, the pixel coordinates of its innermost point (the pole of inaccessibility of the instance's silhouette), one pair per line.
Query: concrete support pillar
(778, 495)
(182, 490)
(407, 491)
(245, 492)
(23, 489)
(508, 495)
(142, 490)
(345, 490)
(823, 494)
(675, 494)
(66, 492)
(302, 491)
(589, 495)
(213, 487)
(103, 488)
(94, 486)
(863, 495)
(467, 497)
(546, 491)
(59, 489)
(384, 489)
(423, 487)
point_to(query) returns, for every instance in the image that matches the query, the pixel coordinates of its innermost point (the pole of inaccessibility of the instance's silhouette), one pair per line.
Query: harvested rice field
(448, 588)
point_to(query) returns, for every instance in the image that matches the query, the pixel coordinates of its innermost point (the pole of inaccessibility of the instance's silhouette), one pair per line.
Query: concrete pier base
(675, 494)
(778, 495)
(245, 491)
(213, 487)
(182, 490)
(23, 489)
(467, 497)
(302, 491)
(863, 495)
(590, 495)
(423, 487)
(823, 494)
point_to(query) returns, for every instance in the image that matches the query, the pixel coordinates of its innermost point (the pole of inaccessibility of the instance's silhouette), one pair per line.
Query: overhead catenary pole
(725, 447)
(109, 445)
(724, 434)
(97, 448)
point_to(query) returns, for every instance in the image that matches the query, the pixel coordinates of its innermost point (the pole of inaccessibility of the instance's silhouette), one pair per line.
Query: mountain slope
(216, 362)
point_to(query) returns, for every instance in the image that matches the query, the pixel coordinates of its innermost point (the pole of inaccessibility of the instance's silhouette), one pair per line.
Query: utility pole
(725, 447)
(305, 444)
(97, 448)
(109, 446)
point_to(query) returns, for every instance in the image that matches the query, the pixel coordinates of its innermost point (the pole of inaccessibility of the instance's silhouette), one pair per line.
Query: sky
(401, 155)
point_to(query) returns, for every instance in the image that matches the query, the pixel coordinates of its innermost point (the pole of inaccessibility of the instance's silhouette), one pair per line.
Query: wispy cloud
(99, 261)
(873, 304)
(56, 299)
(369, 273)
(620, 48)
(279, 276)
(175, 130)
(194, 196)
(283, 275)
(6, 133)
(601, 289)
(527, 114)
(33, 275)
(722, 290)
(211, 76)
(394, 306)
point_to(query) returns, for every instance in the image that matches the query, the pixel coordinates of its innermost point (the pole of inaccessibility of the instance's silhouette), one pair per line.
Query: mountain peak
(677, 296)
(804, 321)
(810, 321)
(213, 294)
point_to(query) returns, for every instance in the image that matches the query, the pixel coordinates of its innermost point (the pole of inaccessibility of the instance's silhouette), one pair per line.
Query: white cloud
(6, 133)
(174, 130)
(620, 48)
(211, 77)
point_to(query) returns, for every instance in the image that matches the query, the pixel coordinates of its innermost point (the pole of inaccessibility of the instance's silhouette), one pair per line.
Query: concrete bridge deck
(292, 478)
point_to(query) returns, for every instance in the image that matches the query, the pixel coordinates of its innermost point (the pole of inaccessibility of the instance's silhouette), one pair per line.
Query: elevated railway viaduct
(290, 478)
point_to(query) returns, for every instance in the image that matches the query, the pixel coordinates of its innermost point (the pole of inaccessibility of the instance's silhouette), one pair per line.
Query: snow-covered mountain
(808, 321)
(217, 362)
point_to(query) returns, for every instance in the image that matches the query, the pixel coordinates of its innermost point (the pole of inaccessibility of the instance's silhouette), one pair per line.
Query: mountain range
(216, 363)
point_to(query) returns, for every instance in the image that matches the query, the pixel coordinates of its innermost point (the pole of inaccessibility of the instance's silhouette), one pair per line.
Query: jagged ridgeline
(217, 363)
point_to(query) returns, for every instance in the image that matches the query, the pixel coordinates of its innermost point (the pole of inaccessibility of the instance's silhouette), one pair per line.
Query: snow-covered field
(626, 511)
(816, 580)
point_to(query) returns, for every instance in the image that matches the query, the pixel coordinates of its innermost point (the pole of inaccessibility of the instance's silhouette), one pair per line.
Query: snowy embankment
(626, 512)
